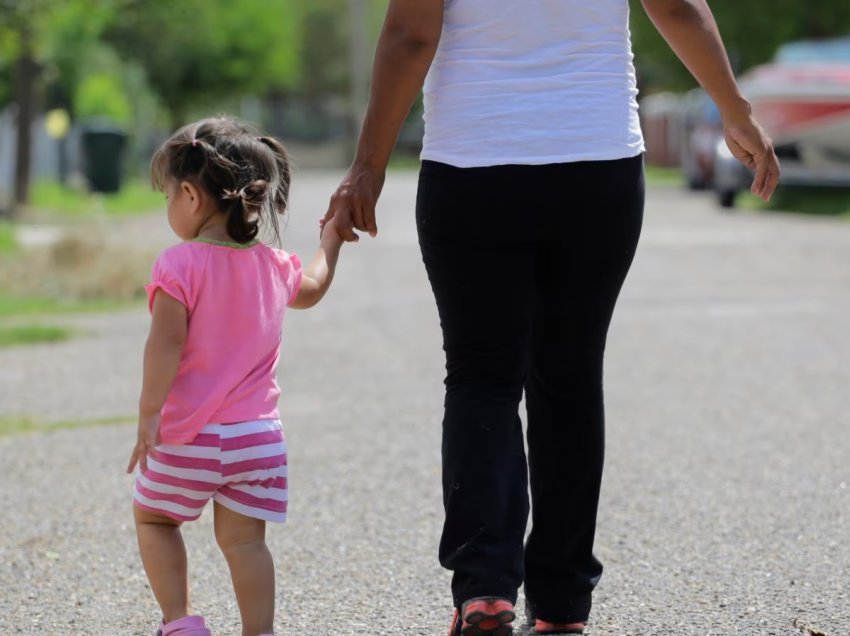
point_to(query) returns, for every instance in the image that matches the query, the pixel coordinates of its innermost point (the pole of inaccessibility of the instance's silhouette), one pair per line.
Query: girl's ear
(193, 194)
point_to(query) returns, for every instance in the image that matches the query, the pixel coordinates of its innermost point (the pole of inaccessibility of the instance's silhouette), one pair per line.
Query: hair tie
(194, 143)
(233, 194)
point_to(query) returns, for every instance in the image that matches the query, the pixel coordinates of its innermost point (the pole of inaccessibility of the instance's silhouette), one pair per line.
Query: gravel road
(725, 507)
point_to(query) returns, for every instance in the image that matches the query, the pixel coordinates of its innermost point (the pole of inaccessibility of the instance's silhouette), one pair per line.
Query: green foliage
(324, 52)
(198, 51)
(101, 95)
(8, 46)
(70, 47)
(61, 30)
(193, 52)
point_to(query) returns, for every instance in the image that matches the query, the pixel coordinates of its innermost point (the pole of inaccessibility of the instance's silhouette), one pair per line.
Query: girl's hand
(148, 438)
(329, 236)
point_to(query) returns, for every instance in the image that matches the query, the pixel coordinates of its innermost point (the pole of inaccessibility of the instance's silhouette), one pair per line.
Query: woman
(529, 210)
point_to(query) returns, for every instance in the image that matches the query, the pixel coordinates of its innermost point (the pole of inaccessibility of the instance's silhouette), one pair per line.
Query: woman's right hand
(353, 203)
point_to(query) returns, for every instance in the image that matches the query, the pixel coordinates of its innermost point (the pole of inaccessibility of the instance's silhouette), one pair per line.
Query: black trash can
(103, 156)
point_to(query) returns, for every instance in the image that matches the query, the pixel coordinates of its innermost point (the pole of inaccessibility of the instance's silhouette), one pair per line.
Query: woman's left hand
(148, 438)
(750, 145)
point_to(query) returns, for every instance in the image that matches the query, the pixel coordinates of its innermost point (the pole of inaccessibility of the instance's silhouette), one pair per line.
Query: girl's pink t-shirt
(235, 297)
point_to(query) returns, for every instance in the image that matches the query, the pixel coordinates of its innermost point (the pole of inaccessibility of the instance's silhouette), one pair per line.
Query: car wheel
(696, 183)
(726, 198)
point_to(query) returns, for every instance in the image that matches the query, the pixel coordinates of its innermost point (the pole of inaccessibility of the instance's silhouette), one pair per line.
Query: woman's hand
(750, 145)
(148, 438)
(353, 203)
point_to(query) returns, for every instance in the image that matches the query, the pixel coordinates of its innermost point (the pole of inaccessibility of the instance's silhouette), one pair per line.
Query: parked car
(702, 129)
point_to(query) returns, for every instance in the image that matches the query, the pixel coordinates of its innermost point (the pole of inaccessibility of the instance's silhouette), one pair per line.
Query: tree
(19, 41)
(197, 51)
(27, 30)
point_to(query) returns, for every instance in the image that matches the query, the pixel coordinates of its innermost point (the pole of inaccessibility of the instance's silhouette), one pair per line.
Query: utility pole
(359, 54)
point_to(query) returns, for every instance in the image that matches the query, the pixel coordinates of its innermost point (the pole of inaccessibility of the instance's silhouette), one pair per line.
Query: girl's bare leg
(243, 541)
(164, 557)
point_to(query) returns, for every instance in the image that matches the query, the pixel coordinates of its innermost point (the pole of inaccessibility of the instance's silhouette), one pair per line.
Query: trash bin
(103, 153)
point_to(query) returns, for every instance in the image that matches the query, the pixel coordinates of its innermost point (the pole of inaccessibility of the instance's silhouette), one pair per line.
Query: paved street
(725, 507)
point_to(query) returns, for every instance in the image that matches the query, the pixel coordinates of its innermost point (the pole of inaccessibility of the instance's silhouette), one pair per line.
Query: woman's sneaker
(557, 629)
(484, 616)
(541, 627)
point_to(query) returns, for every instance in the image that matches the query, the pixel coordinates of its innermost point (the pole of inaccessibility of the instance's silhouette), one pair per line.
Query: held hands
(752, 147)
(353, 203)
(148, 438)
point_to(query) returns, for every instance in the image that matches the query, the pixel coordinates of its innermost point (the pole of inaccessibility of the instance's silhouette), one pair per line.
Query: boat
(802, 99)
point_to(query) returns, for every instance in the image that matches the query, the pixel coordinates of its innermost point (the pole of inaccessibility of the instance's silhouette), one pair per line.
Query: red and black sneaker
(484, 616)
(540, 627)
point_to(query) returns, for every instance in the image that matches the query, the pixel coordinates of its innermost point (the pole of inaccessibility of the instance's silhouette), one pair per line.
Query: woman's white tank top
(532, 82)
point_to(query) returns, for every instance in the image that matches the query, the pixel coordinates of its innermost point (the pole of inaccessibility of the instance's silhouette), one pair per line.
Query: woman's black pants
(526, 263)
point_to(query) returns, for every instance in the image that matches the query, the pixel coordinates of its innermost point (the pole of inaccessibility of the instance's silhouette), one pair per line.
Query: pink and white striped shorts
(241, 466)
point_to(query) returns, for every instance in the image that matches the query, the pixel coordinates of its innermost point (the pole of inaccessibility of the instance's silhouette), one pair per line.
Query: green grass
(833, 202)
(7, 237)
(404, 162)
(135, 196)
(17, 424)
(16, 335)
(659, 176)
(29, 306)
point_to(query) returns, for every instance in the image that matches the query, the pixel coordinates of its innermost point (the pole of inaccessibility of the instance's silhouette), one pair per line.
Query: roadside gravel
(726, 500)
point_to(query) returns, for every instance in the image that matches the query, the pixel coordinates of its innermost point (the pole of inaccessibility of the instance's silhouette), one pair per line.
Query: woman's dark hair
(245, 173)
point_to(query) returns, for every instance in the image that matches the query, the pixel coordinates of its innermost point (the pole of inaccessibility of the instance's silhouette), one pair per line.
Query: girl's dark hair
(245, 173)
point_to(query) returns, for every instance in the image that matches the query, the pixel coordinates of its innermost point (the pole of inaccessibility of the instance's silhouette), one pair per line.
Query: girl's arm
(406, 48)
(689, 28)
(162, 357)
(317, 276)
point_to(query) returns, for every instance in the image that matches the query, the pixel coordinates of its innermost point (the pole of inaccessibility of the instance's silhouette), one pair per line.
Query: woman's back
(532, 82)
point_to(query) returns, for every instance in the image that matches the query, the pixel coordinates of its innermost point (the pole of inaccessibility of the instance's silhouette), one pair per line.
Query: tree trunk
(26, 72)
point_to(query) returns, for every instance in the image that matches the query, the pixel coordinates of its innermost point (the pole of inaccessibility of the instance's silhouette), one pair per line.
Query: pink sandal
(186, 626)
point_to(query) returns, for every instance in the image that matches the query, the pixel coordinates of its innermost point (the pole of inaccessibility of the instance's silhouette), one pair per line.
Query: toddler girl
(208, 419)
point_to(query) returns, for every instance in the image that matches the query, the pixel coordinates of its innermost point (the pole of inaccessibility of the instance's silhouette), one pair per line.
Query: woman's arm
(689, 28)
(405, 51)
(317, 276)
(161, 360)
